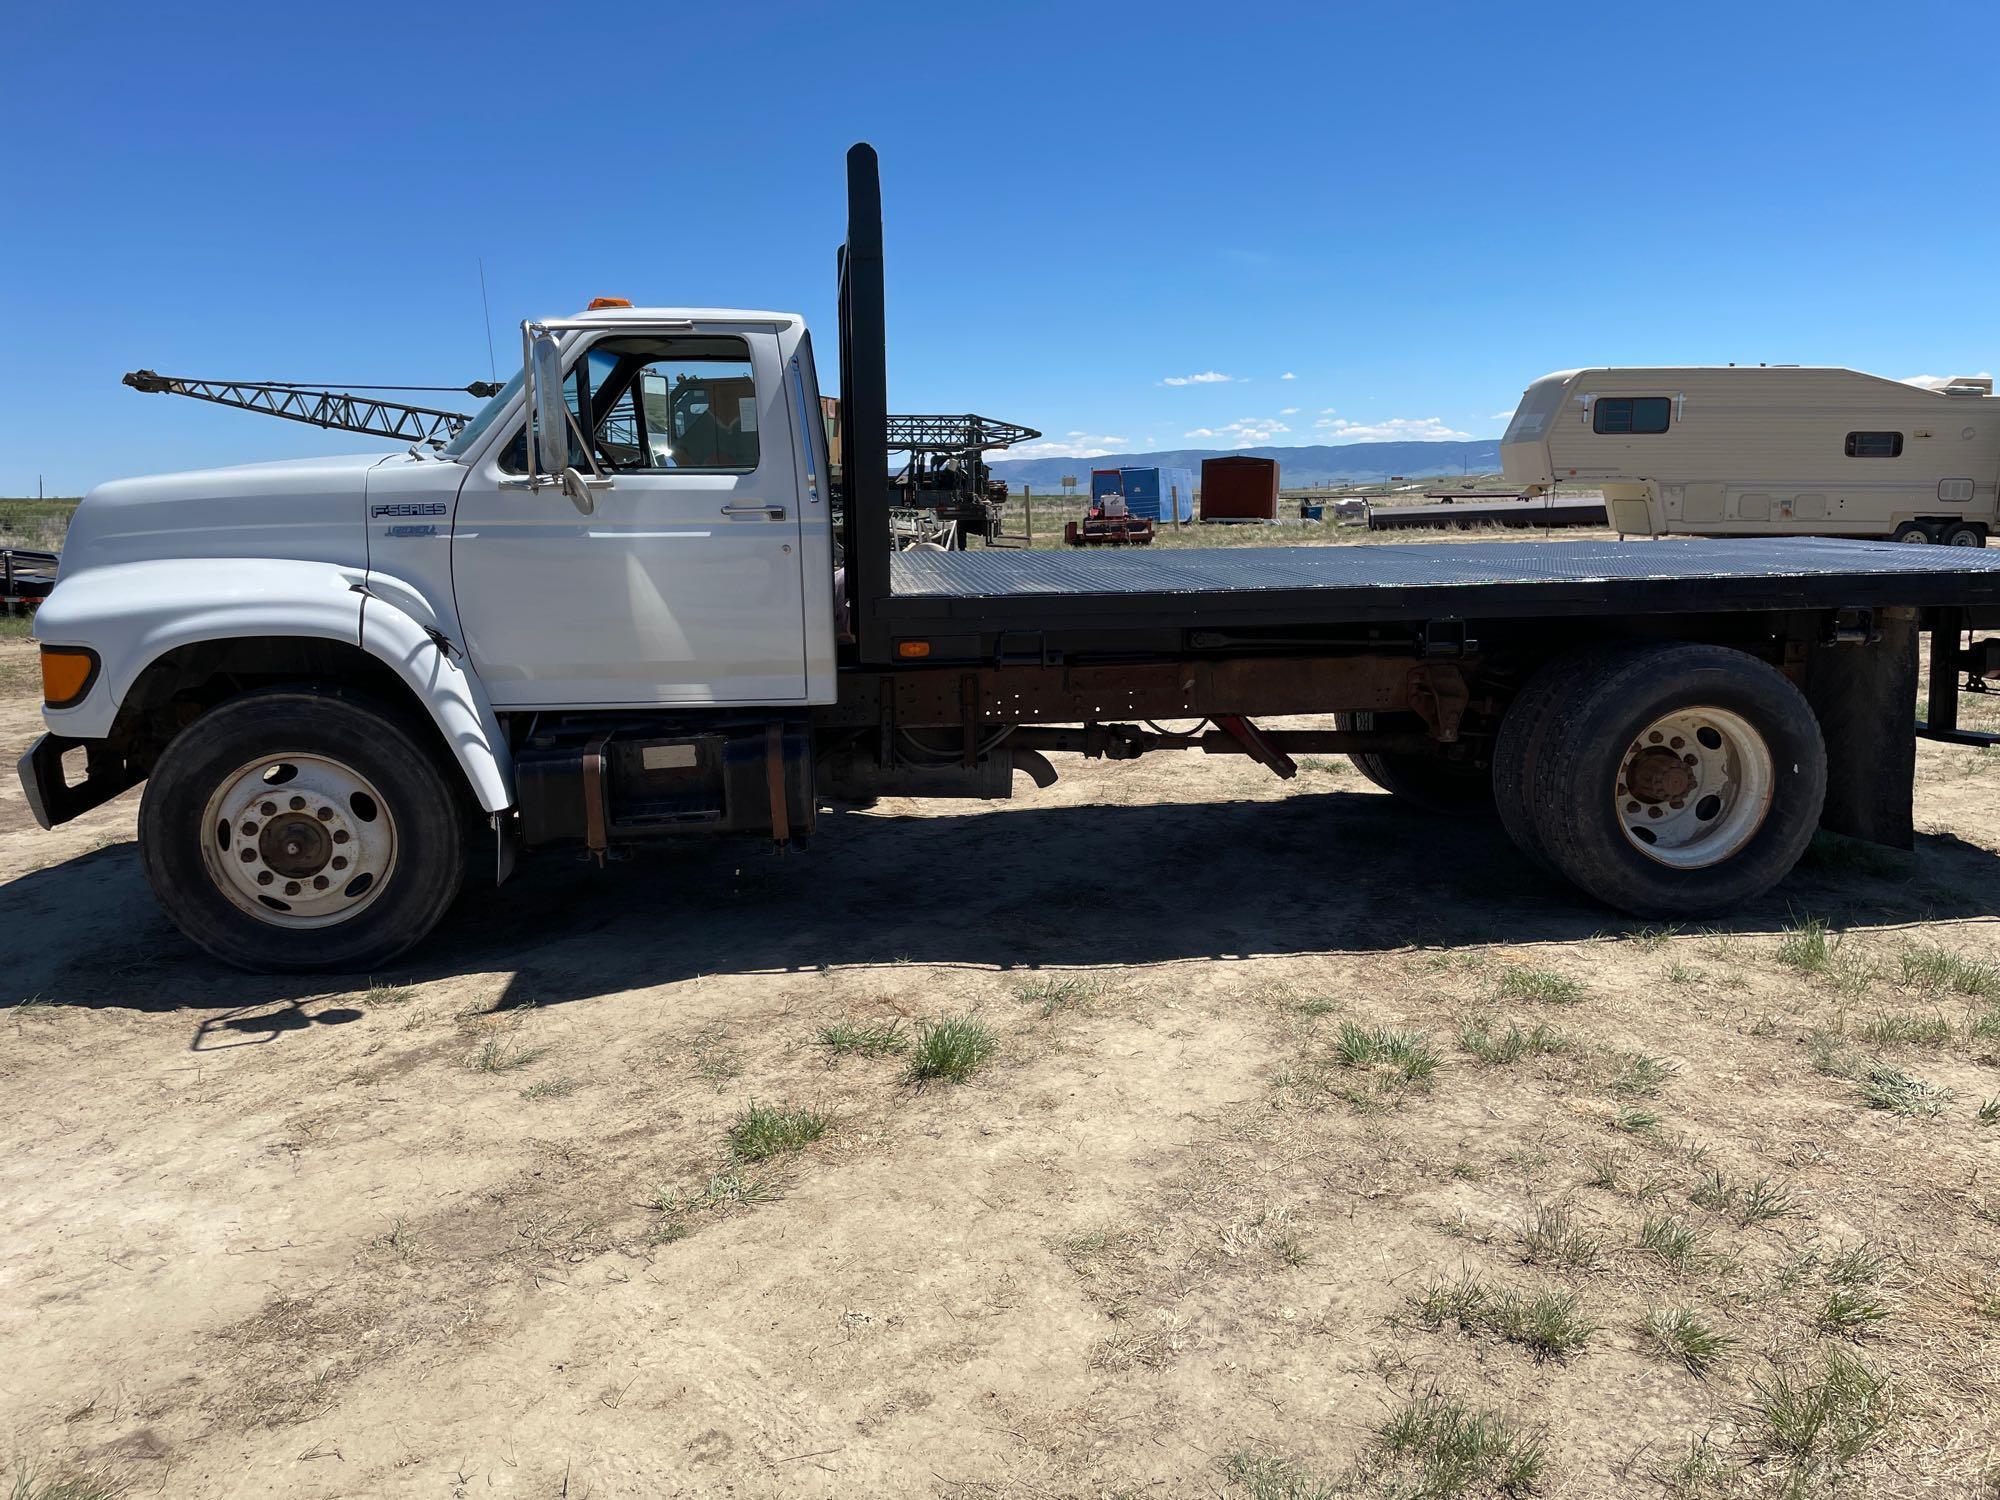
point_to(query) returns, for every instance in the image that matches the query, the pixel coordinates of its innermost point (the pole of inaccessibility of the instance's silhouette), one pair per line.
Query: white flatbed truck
(615, 608)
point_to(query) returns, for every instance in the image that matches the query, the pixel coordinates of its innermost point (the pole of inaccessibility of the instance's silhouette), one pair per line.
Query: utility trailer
(329, 674)
(26, 577)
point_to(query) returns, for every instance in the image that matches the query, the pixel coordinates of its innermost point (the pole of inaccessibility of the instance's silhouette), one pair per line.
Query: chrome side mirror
(549, 437)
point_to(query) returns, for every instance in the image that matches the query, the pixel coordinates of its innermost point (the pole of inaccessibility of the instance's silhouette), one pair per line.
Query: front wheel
(298, 829)
(1678, 780)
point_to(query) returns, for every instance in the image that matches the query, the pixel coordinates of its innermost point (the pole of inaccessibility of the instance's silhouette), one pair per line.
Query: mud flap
(1864, 695)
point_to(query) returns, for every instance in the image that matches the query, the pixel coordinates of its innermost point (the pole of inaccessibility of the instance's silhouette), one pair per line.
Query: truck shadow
(1014, 889)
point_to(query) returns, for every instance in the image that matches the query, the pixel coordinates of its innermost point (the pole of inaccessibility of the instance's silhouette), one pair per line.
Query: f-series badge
(431, 508)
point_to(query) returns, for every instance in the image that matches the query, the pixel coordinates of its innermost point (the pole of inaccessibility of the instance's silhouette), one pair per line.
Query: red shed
(1239, 488)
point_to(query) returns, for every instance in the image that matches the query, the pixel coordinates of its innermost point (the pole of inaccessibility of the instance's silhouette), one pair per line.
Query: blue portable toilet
(1165, 495)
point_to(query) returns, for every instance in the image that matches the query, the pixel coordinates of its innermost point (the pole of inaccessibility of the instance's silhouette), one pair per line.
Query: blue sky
(1372, 221)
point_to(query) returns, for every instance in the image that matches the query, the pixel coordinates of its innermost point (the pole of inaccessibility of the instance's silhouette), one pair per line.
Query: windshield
(484, 417)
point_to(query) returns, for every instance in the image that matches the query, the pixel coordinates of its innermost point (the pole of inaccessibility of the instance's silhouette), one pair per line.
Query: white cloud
(1206, 377)
(1326, 411)
(1290, 411)
(1288, 375)
(1939, 382)
(1394, 430)
(1502, 416)
(1245, 432)
(1072, 445)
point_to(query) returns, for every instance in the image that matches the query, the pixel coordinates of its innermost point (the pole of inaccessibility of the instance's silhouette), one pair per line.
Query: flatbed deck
(1433, 580)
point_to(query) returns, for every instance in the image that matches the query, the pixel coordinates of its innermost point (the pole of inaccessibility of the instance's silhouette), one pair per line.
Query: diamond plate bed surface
(1003, 574)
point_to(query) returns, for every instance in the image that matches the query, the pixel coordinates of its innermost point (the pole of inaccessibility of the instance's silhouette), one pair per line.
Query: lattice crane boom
(338, 411)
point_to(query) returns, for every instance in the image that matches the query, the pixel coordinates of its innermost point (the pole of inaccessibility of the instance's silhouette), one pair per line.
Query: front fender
(131, 614)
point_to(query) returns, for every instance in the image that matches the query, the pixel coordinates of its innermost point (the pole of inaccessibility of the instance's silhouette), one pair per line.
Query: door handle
(775, 512)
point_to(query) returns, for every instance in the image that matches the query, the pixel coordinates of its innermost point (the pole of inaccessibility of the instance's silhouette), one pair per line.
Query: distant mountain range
(1347, 463)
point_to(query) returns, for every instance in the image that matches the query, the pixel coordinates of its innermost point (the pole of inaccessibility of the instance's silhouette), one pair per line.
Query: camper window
(1874, 445)
(1630, 414)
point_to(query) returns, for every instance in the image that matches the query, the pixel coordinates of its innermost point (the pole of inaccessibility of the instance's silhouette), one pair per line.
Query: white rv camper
(1769, 450)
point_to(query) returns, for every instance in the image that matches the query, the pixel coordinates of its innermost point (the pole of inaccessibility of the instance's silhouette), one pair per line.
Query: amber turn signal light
(913, 648)
(67, 673)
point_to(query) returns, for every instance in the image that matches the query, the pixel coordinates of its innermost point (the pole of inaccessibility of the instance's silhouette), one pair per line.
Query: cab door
(683, 584)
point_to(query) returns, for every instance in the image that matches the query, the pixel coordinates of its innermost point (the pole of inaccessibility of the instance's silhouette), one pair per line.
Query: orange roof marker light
(597, 302)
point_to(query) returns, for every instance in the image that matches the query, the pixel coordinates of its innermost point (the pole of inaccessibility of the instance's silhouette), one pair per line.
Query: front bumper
(51, 798)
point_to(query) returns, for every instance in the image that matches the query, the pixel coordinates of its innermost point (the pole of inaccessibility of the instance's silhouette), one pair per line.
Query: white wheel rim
(1914, 535)
(298, 840)
(1693, 787)
(1964, 539)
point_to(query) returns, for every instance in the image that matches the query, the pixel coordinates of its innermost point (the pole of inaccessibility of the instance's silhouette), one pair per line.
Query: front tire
(1678, 780)
(301, 829)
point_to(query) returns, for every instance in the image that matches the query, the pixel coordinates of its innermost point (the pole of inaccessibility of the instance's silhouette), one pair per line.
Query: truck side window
(1874, 445)
(659, 405)
(1630, 414)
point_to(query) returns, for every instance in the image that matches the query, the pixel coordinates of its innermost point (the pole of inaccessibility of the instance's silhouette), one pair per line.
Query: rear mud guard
(1863, 694)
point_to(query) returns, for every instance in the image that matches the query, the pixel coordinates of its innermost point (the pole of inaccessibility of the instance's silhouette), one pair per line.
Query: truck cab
(669, 549)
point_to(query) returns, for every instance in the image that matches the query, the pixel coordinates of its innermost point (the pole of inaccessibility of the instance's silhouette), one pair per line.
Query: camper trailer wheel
(1676, 780)
(1964, 535)
(1911, 531)
(1447, 788)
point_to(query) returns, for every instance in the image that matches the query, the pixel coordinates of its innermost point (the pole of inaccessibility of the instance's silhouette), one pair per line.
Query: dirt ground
(1253, 1197)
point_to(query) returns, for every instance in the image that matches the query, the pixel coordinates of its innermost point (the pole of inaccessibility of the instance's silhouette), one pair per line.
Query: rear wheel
(297, 829)
(1678, 780)
(1448, 788)
(1518, 748)
(1964, 535)
(1911, 531)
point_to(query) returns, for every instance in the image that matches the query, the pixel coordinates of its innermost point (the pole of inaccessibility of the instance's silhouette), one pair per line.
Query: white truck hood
(310, 509)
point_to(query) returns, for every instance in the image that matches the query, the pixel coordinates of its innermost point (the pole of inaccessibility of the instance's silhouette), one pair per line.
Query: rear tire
(1964, 535)
(1446, 788)
(1678, 780)
(1912, 531)
(299, 829)
(1518, 747)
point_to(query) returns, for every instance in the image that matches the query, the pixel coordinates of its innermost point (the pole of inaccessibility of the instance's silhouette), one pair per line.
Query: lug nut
(1655, 737)
(340, 835)
(249, 855)
(298, 804)
(264, 877)
(1678, 803)
(319, 882)
(1652, 812)
(291, 887)
(340, 861)
(268, 808)
(1676, 742)
(1631, 807)
(249, 828)
(325, 815)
